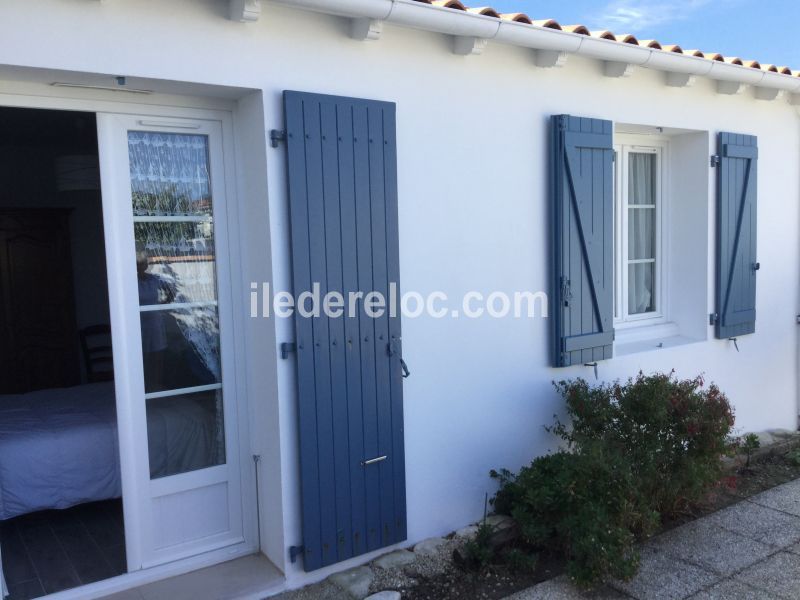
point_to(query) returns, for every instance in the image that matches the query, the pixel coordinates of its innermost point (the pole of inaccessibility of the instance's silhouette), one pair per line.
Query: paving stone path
(750, 550)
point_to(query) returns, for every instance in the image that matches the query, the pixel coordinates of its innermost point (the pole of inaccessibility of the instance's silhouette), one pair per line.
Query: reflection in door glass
(185, 433)
(176, 272)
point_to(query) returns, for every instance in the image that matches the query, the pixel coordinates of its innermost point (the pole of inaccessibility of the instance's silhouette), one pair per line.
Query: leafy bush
(635, 452)
(748, 445)
(478, 552)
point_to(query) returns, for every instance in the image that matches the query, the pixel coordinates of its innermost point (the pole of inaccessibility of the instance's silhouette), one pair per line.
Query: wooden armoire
(38, 332)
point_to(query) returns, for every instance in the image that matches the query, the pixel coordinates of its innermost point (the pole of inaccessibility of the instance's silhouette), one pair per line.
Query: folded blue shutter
(582, 190)
(736, 235)
(342, 164)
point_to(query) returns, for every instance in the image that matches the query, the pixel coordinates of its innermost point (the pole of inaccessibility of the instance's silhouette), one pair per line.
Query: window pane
(641, 288)
(175, 262)
(641, 233)
(185, 433)
(169, 173)
(176, 265)
(180, 348)
(641, 178)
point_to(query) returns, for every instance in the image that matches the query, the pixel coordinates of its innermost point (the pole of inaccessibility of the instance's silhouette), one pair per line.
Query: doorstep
(248, 578)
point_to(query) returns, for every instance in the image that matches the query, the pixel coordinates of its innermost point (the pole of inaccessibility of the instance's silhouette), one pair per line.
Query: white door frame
(24, 95)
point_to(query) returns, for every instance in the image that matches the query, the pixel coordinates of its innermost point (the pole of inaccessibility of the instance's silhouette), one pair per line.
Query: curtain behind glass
(641, 232)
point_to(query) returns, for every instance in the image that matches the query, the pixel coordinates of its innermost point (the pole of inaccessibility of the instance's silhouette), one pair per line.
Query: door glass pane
(169, 173)
(641, 288)
(180, 348)
(176, 272)
(641, 178)
(185, 433)
(641, 233)
(178, 260)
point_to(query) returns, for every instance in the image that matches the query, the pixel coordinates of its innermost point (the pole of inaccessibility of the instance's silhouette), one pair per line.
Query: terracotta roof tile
(488, 11)
(628, 38)
(581, 29)
(650, 44)
(605, 35)
(449, 4)
(517, 17)
(548, 23)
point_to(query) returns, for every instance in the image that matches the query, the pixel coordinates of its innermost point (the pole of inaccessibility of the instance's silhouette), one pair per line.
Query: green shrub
(579, 505)
(748, 445)
(673, 432)
(635, 452)
(478, 552)
(519, 561)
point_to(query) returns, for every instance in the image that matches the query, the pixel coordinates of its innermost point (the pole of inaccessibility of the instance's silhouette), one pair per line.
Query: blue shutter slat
(737, 186)
(343, 203)
(395, 334)
(352, 345)
(366, 324)
(320, 349)
(381, 284)
(583, 209)
(296, 156)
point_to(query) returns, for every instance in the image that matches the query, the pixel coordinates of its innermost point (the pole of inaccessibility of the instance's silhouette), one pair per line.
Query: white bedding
(58, 448)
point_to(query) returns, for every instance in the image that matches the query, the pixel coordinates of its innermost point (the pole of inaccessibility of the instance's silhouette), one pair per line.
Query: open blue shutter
(343, 204)
(582, 193)
(736, 235)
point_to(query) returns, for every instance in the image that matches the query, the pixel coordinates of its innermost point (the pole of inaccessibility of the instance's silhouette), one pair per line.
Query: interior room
(61, 522)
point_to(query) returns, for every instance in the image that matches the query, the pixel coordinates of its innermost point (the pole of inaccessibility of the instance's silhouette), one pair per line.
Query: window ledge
(633, 340)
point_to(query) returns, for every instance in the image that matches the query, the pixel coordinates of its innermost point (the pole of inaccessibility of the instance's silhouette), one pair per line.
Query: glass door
(164, 198)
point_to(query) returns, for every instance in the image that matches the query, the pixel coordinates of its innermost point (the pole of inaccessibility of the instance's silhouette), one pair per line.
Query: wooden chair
(97, 355)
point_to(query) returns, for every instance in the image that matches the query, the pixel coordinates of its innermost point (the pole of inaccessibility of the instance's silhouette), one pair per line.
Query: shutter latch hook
(592, 364)
(735, 343)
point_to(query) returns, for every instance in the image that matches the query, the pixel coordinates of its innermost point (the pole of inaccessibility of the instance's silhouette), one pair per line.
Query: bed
(59, 447)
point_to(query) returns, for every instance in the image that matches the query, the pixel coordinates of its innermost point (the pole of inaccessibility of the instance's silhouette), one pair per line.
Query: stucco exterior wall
(472, 168)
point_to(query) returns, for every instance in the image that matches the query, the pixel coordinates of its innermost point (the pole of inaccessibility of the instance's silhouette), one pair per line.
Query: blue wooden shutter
(582, 177)
(736, 235)
(343, 202)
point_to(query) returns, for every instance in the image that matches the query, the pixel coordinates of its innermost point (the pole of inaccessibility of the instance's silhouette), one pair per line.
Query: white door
(164, 191)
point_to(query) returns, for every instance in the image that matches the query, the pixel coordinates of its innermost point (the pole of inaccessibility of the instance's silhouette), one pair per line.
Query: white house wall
(472, 168)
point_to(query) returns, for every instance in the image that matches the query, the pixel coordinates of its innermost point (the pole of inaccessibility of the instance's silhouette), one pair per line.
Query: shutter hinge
(713, 318)
(286, 348)
(294, 552)
(614, 156)
(276, 136)
(715, 160)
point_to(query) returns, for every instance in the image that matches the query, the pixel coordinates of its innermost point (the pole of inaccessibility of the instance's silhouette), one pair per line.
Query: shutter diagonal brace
(743, 203)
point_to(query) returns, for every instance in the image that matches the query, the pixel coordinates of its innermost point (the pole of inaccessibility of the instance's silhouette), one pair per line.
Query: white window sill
(645, 338)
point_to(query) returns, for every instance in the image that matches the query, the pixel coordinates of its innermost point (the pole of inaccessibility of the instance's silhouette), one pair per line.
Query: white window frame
(623, 147)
